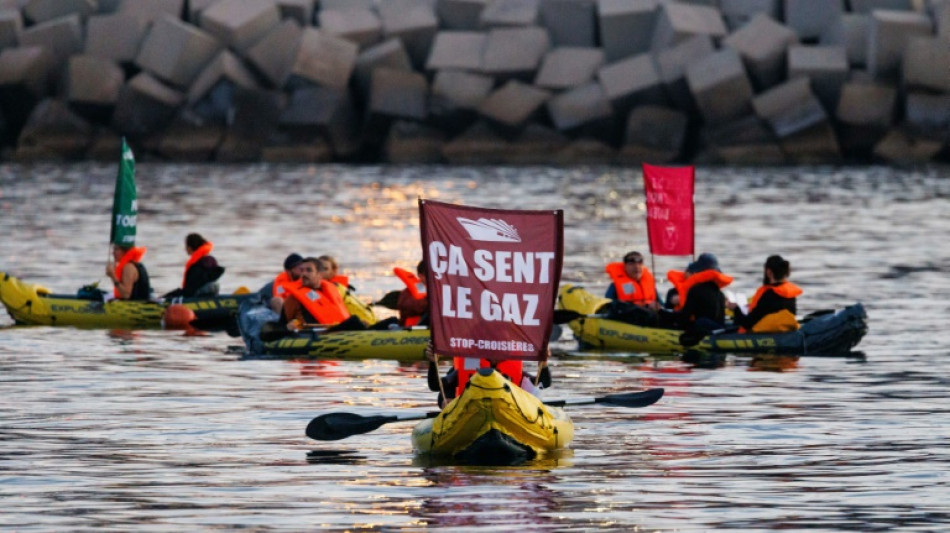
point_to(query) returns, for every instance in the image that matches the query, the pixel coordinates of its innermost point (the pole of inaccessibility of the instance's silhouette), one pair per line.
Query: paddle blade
(336, 426)
(563, 316)
(633, 399)
(390, 300)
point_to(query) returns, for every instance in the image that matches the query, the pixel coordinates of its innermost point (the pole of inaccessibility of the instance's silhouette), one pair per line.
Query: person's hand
(430, 353)
(294, 325)
(731, 305)
(110, 271)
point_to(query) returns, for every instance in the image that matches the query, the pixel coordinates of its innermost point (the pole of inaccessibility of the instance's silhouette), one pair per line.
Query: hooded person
(702, 305)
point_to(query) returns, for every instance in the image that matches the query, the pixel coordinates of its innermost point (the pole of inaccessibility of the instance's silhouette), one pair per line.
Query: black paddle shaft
(629, 399)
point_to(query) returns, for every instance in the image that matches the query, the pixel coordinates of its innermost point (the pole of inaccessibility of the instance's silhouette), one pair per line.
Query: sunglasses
(636, 260)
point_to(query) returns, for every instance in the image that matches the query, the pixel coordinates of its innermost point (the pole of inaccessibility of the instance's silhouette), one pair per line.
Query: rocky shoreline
(477, 81)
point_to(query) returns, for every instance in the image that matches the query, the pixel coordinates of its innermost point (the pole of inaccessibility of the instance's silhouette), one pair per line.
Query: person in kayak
(413, 302)
(129, 274)
(201, 270)
(277, 290)
(772, 309)
(332, 274)
(632, 291)
(314, 300)
(454, 381)
(702, 305)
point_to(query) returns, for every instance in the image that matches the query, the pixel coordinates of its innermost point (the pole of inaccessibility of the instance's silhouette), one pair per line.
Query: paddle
(336, 426)
(389, 300)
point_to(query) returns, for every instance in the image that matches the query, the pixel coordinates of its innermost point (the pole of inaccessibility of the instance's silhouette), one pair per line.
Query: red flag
(492, 278)
(669, 193)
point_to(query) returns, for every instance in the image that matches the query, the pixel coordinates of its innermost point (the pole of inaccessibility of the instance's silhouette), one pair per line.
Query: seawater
(153, 431)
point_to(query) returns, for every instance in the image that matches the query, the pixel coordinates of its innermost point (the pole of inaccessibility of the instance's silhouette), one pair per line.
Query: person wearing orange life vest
(201, 270)
(314, 300)
(332, 274)
(413, 302)
(632, 291)
(772, 309)
(129, 274)
(702, 305)
(277, 290)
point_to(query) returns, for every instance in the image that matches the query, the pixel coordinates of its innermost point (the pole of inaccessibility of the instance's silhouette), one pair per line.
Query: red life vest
(416, 287)
(641, 292)
(134, 255)
(282, 283)
(343, 281)
(196, 256)
(512, 369)
(683, 284)
(324, 304)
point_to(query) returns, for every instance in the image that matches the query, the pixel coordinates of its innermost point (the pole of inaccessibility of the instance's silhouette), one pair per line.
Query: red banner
(492, 278)
(669, 193)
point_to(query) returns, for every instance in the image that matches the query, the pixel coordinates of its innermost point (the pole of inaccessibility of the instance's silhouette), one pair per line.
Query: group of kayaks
(491, 418)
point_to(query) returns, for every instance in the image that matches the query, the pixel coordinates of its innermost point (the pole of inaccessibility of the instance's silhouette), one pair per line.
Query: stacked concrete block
(626, 26)
(928, 114)
(53, 132)
(763, 44)
(457, 50)
(940, 10)
(195, 9)
(93, 80)
(399, 94)
(362, 26)
(145, 106)
(389, 54)
(479, 145)
(798, 120)
(569, 22)
(116, 36)
(211, 96)
(671, 65)
(743, 141)
(826, 66)
(152, 10)
(720, 86)
(184, 140)
(324, 59)
(678, 22)
(513, 105)
(460, 14)
(39, 11)
(298, 10)
(926, 64)
(239, 24)
(347, 4)
(631, 82)
(515, 52)
(535, 146)
(414, 24)
(867, 6)
(63, 37)
(11, 23)
(176, 52)
(411, 143)
(900, 147)
(851, 32)
(578, 107)
(455, 97)
(256, 114)
(889, 33)
(811, 18)
(738, 13)
(865, 113)
(273, 56)
(510, 13)
(567, 67)
(654, 134)
(24, 81)
(326, 112)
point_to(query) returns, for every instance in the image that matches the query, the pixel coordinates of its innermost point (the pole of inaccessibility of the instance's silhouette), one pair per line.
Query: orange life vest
(785, 289)
(683, 284)
(641, 292)
(134, 255)
(282, 284)
(343, 281)
(415, 285)
(512, 369)
(778, 321)
(196, 256)
(324, 304)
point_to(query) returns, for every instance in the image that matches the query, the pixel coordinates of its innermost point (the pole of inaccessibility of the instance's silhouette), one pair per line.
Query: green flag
(124, 205)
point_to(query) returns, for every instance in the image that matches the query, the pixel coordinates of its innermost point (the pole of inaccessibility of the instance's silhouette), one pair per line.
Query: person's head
(291, 264)
(118, 251)
(421, 270)
(705, 261)
(309, 271)
(324, 270)
(331, 264)
(633, 264)
(194, 241)
(776, 269)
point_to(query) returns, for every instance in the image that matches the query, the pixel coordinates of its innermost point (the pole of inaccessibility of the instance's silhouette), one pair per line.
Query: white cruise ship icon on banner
(491, 230)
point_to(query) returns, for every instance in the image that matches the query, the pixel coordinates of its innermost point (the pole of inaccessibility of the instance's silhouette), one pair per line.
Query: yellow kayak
(494, 422)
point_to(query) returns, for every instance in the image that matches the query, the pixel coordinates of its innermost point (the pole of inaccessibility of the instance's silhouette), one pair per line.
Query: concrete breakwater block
(460, 14)
(176, 52)
(24, 82)
(570, 22)
(146, 105)
(626, 26)
(678, 22)
(186, 141)
(867, 6)
(902, 147)
(11, 23)
(536, 145)
(53, 132)
(926, 64)
(851, 32)
(93, 80)
(738, 13)
(457, 50)
(362, 26)
(889, 33)
(239, 24)
(632, 81)
(326, 112)
(567, 67)
(256, 113)
(579, 106)
(63, 37)
(929, 114)
(798, 120)
(811, 18)
(387, 54)
(414, 23)
(455, 97)
(411, 143)
(211, 96)
(151, 10)
(654, 134)
(510, 13)
(399, 94)
(515, 52)
(826, 66)
(762, 44)
(864, 114)
(745, 140)
(671, 65)
(324, 59)
(301, 11)
(39, 11)
(720, 87)
(478, 145)
(115, 36)
(512, 105)
(273, 56)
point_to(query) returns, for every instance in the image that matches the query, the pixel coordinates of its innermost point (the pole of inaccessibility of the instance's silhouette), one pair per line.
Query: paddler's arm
(124, 286)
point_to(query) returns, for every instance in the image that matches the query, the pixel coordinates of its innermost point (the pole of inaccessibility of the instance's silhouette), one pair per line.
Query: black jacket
(768, 303)
(198, 275)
